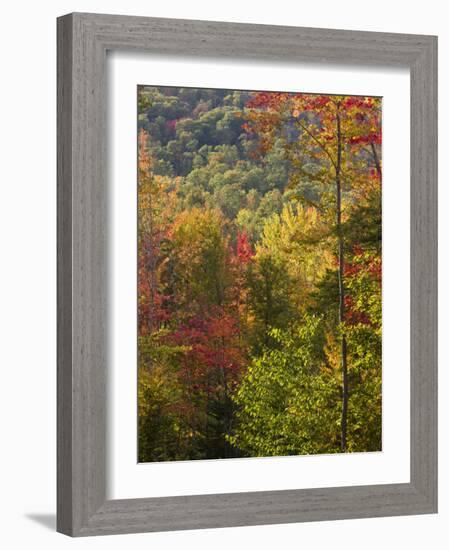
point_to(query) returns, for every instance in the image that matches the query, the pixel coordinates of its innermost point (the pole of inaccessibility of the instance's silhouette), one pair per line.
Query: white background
(392, 465)
(27, 287)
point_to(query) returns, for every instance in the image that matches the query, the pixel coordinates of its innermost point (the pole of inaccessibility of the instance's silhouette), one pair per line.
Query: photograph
(222, 239)
(259, 277)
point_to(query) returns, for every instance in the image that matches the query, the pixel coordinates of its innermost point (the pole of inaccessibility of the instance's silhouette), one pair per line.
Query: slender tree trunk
(376, 160)
(341, 291)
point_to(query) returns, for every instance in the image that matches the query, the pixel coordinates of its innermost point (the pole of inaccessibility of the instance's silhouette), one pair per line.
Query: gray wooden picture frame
(83, 40)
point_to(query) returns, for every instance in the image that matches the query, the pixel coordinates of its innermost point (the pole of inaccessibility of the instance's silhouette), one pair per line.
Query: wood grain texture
(423, 274)
(83, 40)
(64, 278)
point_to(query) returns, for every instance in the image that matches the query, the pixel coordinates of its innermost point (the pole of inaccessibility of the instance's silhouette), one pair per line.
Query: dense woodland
(259, 273)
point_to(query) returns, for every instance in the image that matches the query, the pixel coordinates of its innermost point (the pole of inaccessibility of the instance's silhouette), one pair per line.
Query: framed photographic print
(247, 276)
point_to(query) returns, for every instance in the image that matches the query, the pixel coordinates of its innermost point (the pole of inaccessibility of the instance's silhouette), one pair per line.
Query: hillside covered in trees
(259, 273)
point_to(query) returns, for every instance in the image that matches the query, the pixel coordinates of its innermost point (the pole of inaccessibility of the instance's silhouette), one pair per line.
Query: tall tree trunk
(376, 160)
(341, 291)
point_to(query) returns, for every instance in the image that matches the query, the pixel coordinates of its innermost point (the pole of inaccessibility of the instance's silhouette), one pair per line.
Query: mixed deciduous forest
(259, 274)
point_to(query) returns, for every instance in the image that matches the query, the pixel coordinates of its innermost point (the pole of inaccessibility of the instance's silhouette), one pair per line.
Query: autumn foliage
(259, 273)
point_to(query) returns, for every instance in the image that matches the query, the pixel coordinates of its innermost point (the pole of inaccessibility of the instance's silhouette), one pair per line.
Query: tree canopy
(259, 273)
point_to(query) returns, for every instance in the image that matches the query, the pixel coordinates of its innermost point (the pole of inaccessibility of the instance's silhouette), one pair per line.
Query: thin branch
(318, 142)
(376, 159)
(372, 151)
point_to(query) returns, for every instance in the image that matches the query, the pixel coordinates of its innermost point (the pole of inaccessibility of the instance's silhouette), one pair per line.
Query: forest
(259, 273)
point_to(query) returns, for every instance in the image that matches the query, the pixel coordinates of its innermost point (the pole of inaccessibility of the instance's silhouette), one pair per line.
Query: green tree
(288, 400)
(269, 297)
(198, 260)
